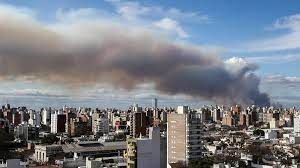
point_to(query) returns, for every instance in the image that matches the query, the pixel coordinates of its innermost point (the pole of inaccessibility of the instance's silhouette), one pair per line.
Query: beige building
(183, 140)
(44, 152)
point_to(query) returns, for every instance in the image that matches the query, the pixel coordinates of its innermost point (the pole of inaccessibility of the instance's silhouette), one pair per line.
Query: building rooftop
(94, 146)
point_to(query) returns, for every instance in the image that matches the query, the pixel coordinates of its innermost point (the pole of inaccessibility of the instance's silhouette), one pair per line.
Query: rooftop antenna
(134, 100)
(3, 100)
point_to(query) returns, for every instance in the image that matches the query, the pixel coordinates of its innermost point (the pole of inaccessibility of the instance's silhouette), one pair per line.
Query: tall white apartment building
(297, 125)
(35, 118)
(46, 116)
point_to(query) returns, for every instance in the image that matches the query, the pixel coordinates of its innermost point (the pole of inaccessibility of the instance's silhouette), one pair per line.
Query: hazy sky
(266, 33)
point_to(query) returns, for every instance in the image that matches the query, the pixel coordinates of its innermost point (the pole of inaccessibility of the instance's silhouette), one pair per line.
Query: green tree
(204, 162)
(259, 132)
(50, 139)
(242, 164)
(285, 162)
(5, 144)
(120, 137)
(257, 151)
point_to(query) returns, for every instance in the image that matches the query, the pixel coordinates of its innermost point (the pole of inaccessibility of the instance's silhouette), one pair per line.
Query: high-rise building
(183, 136)
(46, 116)
(144, 152)
(217, 115)
(102, 126)
(35, 118)
(70, 115)
(154, 103)
(26, 132)
(79, 126)
(16, 118)
(136, 108)
(155, 110)
(58, 123)
(138, 122)
(98, 118)
(297, 124)
(228, 119)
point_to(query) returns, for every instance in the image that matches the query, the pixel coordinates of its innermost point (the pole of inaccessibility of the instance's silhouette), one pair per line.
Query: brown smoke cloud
(86, 52)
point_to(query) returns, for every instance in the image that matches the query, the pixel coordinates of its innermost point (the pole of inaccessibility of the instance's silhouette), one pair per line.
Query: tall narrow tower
(154, 106)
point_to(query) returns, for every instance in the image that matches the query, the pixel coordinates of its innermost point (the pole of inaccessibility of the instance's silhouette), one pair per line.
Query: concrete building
(12, 163)
(138, 122)
(95, 116)
(217, 115)
(43, 153)
(274, 123)
(144, 152)
(79, 126)
(58, 123)
(26, 132)
(136, 108)
(102, 126)
(70, 114)
(228, 119)
(270, 134)
(267, 117)
(84, 149)
(183, 136)
(297, 125)
(4, 124)
(35, 118)
(46, 116)
(117, 162)
(155, 110)
(16, 118)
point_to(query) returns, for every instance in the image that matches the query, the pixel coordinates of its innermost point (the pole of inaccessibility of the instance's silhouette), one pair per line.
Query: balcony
(194, 141)
(194, 145)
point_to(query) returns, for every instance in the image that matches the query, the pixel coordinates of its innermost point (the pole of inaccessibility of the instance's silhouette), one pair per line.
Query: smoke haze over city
(84, 52)
(77, 48)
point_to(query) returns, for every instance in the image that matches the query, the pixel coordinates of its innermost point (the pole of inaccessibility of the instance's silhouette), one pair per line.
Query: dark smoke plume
(102, 52)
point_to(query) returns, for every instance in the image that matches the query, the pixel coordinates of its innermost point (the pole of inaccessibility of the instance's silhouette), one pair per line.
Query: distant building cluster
(150, 137)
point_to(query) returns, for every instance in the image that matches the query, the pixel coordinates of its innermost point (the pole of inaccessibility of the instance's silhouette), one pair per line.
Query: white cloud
(169, 19)
(131, 10)
(171, 25)
(21, 12)
(274, 59)
(134, 10)
(238, 65)
(282, 79)
(289, 40)
(32, 92)
(73, 15)
(282, 89)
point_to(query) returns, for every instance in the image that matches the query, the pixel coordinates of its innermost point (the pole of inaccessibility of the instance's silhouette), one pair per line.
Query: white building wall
(154, 134)
(14, 163)
(144, 154)
(297, 124)
(54, 123)
(182, 109)
(35, 118)
(148, 150)
(46, 116)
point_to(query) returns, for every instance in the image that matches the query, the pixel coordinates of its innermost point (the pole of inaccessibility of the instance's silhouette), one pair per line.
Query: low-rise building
(43, 153)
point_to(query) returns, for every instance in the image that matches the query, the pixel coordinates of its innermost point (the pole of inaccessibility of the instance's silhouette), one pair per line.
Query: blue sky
(264, 32)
